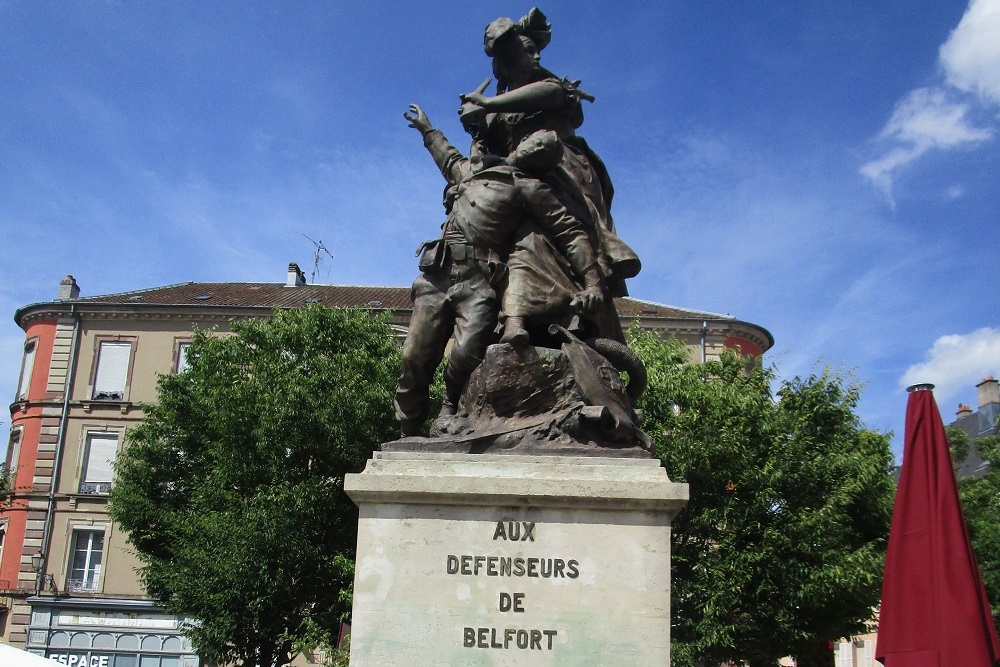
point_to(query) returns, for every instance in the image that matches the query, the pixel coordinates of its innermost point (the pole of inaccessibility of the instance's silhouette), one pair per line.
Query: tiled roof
(260, 295)
(224, 298)
(255, 299)
(629, 307)
(277, 295)
(978, 424)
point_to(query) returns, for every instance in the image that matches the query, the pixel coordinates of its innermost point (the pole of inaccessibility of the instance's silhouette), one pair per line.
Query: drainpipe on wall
(704, 332)
(60, 441)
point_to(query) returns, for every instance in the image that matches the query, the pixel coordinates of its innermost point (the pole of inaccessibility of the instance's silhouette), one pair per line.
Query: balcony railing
(95, 488)
(108, 395)
(81, 585)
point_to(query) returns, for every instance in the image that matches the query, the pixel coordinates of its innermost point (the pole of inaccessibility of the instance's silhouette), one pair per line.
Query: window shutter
(112, 370)
(27, 366)
(101, 448)
(842, 655)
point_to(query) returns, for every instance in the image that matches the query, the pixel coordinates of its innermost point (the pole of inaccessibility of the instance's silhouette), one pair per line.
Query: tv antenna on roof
(320, 248)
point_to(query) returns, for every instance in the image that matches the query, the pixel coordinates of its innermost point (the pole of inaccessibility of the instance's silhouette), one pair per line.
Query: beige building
(68, 588)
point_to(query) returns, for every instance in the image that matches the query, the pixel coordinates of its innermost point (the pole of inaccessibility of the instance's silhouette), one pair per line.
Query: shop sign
(77, 660)
(148, 621)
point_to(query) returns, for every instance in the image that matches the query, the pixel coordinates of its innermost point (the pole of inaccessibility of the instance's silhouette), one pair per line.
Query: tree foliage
(782, 544)
(981, 504)
(6, 483)
(231, 489)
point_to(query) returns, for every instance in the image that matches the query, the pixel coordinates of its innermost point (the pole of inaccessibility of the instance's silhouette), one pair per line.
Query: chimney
(963, 410)
(68, 289)
(989, 391)
(295, 276)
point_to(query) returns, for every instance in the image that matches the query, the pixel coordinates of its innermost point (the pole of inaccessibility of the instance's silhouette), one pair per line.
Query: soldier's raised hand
(418, 119)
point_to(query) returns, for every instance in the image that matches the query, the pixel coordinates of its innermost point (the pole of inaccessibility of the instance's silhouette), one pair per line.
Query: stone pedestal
(512, 560)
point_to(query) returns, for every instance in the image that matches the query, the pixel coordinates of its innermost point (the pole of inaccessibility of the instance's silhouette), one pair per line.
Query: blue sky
(827, 170)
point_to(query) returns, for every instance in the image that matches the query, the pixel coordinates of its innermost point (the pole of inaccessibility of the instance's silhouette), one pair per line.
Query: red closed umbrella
(934, 607)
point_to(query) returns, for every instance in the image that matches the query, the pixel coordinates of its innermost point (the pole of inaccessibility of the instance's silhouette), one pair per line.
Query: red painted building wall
(26, 415)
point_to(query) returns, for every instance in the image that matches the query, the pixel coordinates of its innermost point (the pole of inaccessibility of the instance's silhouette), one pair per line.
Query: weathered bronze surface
(529, 248)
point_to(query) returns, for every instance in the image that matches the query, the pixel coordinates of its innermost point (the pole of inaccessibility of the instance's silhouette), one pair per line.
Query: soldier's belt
(461, 252)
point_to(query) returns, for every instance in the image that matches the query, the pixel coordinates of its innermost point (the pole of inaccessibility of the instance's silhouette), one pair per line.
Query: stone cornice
(694, 325)
(146, 312)
(18, 409)
(206, 313)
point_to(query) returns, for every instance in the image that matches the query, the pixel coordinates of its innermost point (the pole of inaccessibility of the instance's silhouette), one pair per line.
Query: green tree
(981, 504)
(6, 484)
(231, 489)
(782, 544)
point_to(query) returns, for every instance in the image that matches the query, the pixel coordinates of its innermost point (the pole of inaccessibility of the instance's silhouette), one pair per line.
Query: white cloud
(957, 362)
(971, 56)
(926, 118)
(938, 117)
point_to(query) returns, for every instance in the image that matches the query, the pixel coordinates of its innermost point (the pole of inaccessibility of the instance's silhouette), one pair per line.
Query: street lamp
(36, 564)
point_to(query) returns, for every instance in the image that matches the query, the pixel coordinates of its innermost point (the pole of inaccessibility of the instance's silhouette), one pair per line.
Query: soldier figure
(492, 203)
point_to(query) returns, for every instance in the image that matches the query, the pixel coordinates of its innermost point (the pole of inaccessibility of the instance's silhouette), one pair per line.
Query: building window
(27, 366)
(864, 653)
(842, 655)
(98, 459)
(181, 356)
(13, 452)
(111, 377)
(85, 560)
(3, 534)
(8, 483)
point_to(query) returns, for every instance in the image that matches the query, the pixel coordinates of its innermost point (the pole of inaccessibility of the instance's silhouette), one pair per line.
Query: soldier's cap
(494, 31)
(533, 25)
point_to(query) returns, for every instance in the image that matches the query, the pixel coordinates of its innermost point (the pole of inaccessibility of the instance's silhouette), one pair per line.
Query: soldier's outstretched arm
(454, 166)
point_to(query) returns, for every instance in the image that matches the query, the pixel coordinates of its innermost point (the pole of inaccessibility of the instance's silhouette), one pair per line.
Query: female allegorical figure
(530, 98)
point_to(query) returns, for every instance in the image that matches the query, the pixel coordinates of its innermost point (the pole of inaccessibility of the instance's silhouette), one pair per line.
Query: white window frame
(99, 390)
(14, 445)
(27, 368)
(181, 347)
(102, 439)
(91, 571)
(3, 539)
(14, 453)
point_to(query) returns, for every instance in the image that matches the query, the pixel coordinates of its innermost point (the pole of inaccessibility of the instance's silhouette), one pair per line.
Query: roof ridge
(136, 291)
(721, 316)
(224, 283)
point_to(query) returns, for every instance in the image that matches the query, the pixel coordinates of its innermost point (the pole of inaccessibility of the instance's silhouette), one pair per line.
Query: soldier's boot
(514, 331)
(410, 427)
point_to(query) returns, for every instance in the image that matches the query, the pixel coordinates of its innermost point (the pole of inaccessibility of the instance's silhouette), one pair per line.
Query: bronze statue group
(529, 240)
